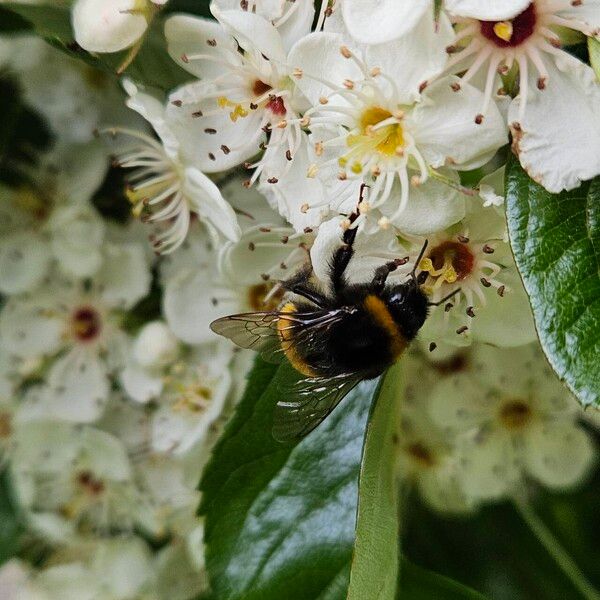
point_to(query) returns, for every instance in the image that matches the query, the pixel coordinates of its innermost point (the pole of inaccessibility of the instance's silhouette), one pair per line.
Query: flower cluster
(112, 386)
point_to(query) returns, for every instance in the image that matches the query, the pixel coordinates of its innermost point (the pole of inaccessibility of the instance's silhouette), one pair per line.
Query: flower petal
(416, 56)
(380, 21)
(486, 10)
(562, 151)
(206, 199)
(24, 262)
(190, 36)
(106, 25)
(445, 129)
(559, 454)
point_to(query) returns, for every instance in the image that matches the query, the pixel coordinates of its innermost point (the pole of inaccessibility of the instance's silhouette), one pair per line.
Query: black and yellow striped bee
(333, 340)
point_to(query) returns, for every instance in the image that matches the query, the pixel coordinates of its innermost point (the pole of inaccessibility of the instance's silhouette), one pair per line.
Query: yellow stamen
(504, 30)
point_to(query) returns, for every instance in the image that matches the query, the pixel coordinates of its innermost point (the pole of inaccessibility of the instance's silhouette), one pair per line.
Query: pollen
(380, 131)
(504, 30)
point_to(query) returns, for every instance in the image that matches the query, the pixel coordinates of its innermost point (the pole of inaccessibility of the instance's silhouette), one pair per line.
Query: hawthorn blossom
(555, 118)
(513, 419)
(202, 283)
(51, 222)
(167, 185)
(111, 25)
(72, 328)
(372, 121)
(243, 96)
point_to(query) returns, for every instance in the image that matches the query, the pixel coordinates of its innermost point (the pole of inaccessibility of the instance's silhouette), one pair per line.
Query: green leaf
(420, 584)
(556, 242)
(280, 519)
(152, 65)
(594, 51)
(10, 527)
(376, 558)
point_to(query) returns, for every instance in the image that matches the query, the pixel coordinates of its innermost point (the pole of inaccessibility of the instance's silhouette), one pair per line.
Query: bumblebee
(333, 340)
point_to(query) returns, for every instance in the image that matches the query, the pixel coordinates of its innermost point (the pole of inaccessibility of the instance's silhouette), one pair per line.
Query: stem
(554, 548)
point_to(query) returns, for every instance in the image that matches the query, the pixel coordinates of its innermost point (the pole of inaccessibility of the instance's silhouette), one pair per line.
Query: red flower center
(457, 254)
(512, 32)
(86, 323)
(276, 105)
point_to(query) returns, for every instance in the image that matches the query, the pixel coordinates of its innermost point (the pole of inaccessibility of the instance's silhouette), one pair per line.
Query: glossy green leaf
(152, 65)
(556, 242)
(594, 51)
(376, 557)
(280, 519)
(420, 584)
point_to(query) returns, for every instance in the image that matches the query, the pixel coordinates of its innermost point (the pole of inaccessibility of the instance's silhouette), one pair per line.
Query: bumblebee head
(408, 306)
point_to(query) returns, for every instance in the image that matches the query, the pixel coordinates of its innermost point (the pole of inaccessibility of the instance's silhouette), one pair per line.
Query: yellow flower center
(30, 202)
(386, 139)
(448, 262)
(194, 399)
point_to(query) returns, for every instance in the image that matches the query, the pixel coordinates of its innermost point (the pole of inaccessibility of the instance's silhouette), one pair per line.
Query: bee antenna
(418, 261)
(445, 298)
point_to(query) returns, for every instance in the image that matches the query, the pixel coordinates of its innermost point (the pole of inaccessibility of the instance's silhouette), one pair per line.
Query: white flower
(513, 419)
(555, 119)
(242, 95)
(52, 221)
(111, 25)
(167, 186)
(70, 479)
(74, 98)
(202, 285)
(292, 19)
(73, 329)
(120, 568)
(426, 456)
(370, 122)
(192, 398)
(16, 584)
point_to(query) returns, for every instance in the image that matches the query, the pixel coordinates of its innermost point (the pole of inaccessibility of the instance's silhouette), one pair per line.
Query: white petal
(319, 57)
(78, 387)
(432, 206)
(189, 36)
(416, 56)
(77, 235)
(558, 143)
(155, 345)
(488, 467)
(124, 277)
(81, 169)
(106, 25)
(293, 188)
(105, 454)
(505, 321)
(379, 21)
(487, 10)
(154, 112)
(24, 262)
(253, 33)
(189, 308)
(559, 455)
(445, 129)
(587, 11)
(206, 199)
(140, 384)
(30, 328)
(215, 142)
(298, 25)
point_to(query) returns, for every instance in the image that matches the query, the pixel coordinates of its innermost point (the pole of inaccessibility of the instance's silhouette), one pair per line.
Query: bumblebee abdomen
(382, 318)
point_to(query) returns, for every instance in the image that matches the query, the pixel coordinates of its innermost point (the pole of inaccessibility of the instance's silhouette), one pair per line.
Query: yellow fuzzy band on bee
(285, 329)
(381, 315)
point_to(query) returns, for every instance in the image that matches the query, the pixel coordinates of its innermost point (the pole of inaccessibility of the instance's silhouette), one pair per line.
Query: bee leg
(382, 272)
(300, 284)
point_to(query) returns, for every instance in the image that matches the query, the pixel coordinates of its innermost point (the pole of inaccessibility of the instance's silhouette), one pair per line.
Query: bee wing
(308, 402)
(258, 330)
